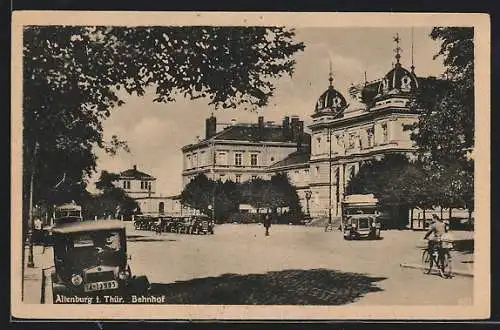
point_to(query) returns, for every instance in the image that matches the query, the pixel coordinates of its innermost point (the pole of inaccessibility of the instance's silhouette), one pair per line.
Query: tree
(397, 182)
(110, 201)
(444, 134)
(285, 194)
(198, 193)
(71, 76)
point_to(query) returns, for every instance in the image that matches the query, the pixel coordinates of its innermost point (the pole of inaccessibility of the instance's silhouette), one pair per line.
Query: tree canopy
(72, 75)
(270, 194)
(110, 201)
(445, 130)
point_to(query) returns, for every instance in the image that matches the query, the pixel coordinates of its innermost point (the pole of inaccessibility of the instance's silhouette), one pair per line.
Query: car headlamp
(76, 279)
(123, 275)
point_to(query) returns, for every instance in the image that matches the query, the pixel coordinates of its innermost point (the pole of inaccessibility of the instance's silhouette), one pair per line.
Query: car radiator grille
(100, 277)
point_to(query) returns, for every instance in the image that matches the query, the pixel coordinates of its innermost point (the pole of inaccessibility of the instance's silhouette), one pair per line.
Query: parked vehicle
(360, 217)
(202, 225)
(90, 259)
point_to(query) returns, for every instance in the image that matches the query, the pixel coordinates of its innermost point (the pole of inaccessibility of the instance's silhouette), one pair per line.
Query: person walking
(267, 223)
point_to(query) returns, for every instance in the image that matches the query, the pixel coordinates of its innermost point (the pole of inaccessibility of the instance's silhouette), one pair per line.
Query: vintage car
(90, 259)
(202, 225)
(360, 217)
(171, 224)
(65, 213)
(185, 224)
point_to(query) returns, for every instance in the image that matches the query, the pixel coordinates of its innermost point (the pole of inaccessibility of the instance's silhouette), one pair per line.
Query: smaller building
(142, 188)
(137, 184)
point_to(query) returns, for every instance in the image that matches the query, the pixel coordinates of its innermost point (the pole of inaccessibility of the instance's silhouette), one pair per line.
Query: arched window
(161, 208)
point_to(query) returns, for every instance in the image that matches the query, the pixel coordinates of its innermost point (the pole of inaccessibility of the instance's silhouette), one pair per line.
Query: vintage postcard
(216, 166)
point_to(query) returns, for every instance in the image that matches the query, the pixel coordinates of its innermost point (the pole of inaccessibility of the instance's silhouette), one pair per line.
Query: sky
(156, 132)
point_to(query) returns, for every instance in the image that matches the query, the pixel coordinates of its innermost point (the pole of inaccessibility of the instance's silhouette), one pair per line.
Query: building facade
(344, 135)
(137, 184)
(242, 151)
(142, 188)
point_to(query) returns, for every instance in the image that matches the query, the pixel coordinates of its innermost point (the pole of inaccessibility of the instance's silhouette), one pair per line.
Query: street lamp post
(213, 179)
(308, 197)
(31, 262)
(330, 177)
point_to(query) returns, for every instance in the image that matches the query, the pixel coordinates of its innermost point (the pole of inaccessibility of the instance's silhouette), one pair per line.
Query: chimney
(286, 127)
(135, 167)
(261, 127)
(210, 127)
(300, 134)
(294, 128)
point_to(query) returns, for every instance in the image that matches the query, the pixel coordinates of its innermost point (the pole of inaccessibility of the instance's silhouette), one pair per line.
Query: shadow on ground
(464, 246)
(140, 238)
(288, 287)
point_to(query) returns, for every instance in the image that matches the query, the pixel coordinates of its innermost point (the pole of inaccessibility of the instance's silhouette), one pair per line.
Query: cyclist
(438, 228)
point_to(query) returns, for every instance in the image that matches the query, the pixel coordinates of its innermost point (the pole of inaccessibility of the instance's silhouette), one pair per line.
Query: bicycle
(438, 255)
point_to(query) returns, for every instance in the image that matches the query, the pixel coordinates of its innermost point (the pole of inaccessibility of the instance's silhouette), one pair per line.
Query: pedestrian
(37, 233)
(267, 223)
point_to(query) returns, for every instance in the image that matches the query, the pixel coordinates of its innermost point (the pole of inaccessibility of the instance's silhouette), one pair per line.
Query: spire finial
(366, 81)
(412, 66)
(398, 49)
(330, 74)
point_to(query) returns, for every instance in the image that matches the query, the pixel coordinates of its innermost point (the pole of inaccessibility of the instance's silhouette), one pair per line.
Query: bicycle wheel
(426, 262)
(445, 269)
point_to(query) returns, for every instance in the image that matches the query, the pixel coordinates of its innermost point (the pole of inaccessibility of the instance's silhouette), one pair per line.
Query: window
(142, 185)
(360, 142)
(351, 141)
(254, 177)
(316, 171)
(318, 149)
(126, 184)
(369, 133)
(238, 178)
(202, 158)
(222, 158)
(384, 133)
(253, 159)
(237, 159)
(189, 163)
(195, 160)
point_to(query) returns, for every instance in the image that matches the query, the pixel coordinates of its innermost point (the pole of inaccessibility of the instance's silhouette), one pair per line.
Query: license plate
(97, 286)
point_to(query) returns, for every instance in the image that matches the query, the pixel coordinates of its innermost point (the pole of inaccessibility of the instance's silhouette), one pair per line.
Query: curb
(454, 272)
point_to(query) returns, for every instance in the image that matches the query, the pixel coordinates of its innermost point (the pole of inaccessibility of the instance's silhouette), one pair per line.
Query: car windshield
(364, 210)
(104, 240)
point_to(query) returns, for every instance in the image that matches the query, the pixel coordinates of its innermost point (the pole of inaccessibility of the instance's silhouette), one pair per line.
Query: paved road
(295, 265)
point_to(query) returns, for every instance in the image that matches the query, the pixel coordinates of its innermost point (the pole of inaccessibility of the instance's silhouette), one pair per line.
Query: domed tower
(331, 104)
(398, 81)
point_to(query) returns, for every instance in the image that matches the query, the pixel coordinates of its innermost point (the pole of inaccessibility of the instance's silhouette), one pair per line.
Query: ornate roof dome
(331, 102)
(398, 80)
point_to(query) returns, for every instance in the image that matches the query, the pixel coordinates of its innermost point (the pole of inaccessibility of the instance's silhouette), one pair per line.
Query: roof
(297, 157)
(134, 173)
(330, 102)
(68, 207)
(89, 225)
(253, 133)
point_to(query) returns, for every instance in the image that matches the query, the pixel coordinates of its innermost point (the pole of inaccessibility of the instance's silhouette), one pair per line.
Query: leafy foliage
(268, 194)
(111, 201)
(71, 76)
(444, 134)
